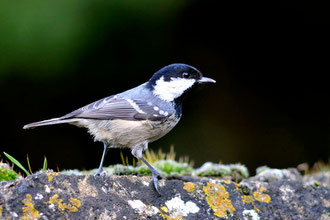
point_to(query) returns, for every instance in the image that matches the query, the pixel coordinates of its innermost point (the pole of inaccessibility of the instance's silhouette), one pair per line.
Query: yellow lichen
(226, 182)
(167, 217)
(53, 199)
(72, 208)
(29, 212)
(218, 199)
(51, 175)
(163, 213)
(189, 186)
(164, 208)
(248, 200)
(256, 208)
(236, 186)
(260, 196)
(75, 202)
(63, 206)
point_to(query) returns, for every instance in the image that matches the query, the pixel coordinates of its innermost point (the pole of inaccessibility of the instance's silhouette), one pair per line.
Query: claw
(100, 172)
(155, 177)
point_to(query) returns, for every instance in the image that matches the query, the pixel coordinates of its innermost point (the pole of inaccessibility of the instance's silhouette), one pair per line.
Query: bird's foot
(100, 172)
(155, 177)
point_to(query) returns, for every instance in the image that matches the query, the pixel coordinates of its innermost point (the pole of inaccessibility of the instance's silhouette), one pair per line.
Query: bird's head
(170, 82)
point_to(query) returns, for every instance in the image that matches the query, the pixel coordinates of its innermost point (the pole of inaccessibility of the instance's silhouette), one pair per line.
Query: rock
(56, 196)
(266, 174)
(236, 171)
(320, 178)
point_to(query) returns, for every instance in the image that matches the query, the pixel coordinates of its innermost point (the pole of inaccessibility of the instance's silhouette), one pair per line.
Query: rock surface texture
(50, 195)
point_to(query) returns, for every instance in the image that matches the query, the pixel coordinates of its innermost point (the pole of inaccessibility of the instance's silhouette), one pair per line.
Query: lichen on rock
(57, 196)
(218, 198)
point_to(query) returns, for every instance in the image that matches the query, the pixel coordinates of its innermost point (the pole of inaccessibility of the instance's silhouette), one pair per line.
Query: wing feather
(117, 108)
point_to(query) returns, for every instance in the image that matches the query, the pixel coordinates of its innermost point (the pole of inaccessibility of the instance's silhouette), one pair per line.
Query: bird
(136, 117)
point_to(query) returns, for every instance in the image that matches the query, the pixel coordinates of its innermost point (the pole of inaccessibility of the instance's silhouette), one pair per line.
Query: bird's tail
(52, 121)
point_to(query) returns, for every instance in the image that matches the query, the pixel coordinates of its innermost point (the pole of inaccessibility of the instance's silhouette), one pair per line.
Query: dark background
(270, 104)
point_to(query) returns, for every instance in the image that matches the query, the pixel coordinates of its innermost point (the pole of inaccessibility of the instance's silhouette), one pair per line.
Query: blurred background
(270, 105)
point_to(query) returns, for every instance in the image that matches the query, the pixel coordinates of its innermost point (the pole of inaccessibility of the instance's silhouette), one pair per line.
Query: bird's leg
(137, 152)
(155, 174)
(100, 171)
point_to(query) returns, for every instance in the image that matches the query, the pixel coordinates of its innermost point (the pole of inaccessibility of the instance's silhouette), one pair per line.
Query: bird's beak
(206, 80)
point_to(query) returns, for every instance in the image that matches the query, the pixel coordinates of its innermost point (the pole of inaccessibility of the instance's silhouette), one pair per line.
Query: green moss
(173, 167)
(315, 184)
(120, 169)
(7, 174)
(244, 189)
(213, 169)
(261, 169)
(143, 170)
(238, 169)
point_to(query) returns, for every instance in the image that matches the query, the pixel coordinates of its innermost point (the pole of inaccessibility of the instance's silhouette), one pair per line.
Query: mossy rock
(236, 171)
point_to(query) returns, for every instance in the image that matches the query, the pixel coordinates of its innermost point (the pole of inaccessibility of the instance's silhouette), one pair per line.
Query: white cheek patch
(170, 90)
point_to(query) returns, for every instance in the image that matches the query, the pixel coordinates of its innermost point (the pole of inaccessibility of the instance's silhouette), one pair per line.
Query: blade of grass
(127, 161)
(28, 162)
(44, 167)
(122, 158)
(13, 160)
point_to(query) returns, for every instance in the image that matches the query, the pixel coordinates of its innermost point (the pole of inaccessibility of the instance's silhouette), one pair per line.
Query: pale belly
(122, 133)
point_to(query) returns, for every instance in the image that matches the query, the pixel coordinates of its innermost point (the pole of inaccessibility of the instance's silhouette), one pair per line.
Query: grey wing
(118, 108)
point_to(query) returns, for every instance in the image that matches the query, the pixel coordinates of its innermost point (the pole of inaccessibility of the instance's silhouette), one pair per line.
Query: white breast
(123, 133)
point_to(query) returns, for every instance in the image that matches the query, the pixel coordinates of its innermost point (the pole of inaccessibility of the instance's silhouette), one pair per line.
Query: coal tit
(138, 116)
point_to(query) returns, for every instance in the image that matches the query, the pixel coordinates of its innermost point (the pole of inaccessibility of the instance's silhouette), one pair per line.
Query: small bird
(136, 117)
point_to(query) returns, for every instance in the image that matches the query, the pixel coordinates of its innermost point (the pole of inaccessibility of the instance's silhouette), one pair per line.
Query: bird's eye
(186, 75)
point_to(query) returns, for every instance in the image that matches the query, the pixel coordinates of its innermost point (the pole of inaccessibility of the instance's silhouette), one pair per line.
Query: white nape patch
(250, 215)
(180, 207)
(142, 209)
(170, 90)
(135, 106)
(156, 108)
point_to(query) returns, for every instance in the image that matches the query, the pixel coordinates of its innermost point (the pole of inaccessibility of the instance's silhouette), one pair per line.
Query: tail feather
(52, 121)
